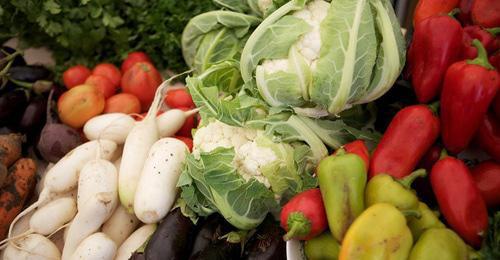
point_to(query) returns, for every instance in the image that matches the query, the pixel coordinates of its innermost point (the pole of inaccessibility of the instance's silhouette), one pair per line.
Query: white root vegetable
(113, 126)
(97, 246)
(87, 221)
(135, 241)
(32, 247)
(63, 176)
(120, 225)
(117, 163)
(97, 176)
(156, 191)
(172, 120)
(135, 151)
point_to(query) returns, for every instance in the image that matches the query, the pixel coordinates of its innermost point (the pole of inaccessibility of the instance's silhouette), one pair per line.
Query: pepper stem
(340, 151)
(443, 154)
(482, 56)
(495, 31)
(412, 213)
(434, 107)
(408, 180)
(454, 12)
(298, 226)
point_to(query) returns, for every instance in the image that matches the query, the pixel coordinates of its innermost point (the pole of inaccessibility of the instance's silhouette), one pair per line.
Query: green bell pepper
(439, 243)
(322, 247)
(342, 181)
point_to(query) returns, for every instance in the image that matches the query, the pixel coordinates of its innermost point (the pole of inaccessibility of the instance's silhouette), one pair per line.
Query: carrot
(10, 148)
(22, 181)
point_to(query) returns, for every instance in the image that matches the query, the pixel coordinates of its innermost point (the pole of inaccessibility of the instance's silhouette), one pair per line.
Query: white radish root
(113, 126)
(120, 225)
(97, 246)
(97, 176)
(135, 241)
(172, 121)
(33, 246)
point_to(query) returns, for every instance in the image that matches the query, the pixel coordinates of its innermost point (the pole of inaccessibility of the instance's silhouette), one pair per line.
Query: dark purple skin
(12, 105)
(18, 60)
(29, 73)
(34, 115)
(137, 256)
(214, 227)
(267, 243)
(172, 239)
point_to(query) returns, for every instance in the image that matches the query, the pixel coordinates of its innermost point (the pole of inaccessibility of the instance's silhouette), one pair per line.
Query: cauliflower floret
(249, 157)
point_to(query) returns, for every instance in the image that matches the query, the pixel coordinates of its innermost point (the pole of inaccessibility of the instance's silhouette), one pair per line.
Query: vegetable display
(293, 135)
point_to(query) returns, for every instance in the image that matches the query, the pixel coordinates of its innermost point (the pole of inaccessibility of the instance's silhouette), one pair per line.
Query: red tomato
(133, 58)
(142, 80)
(79, 104)
(102, 84)
(109, 71)
(177, 98)
(189, 124)
(188, 141)
(75, 76)
(123, 103)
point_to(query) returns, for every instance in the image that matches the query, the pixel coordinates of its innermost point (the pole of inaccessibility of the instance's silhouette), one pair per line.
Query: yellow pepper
(380, 232)
(439, 244)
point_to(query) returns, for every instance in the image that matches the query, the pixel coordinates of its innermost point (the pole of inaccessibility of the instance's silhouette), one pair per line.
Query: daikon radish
(63, 176)
(113, 126)
(97, 246)
(135, 151)
(172, 121)
(117, 163)
(88, 220)
(156, 191)
(97, 176)
(32, 247)
(120, 225)
(135, 241)
(49, 218)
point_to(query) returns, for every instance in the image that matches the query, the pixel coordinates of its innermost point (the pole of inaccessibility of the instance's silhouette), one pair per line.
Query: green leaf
(52, 6)
(111, 21)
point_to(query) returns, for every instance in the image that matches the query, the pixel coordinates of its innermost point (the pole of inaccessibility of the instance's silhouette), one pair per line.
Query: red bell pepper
(304, 216)
(486, 13)
(437, 43)
(409, 135)
(487, 177)
(476, 32)
(496, 105)
(468, 90)
(488, 136)
(459, 199)
(465, 7)
(495, 60)
(357, 147)
(428, 8)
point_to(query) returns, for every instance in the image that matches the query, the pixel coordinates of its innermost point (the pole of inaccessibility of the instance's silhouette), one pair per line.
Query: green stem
(434, 107)
(443, 154)
(411, 213)
(482, 56)
(454, 12)
(298, 226)
(495, 31)
(408, 180)
(340, 151)
(22, 84)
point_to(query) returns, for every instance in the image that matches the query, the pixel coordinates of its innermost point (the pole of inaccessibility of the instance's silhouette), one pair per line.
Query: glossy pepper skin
(496, 102)
(322, 247)
(488, 136)
(468, 90)
(410, 134)
(487, 178)
(380, 232)
(428, 219)
(384, 188)
(304, 217)
(476, 32)
(436, 44)
(439, 243)
(357, 147)
(428, 8)
(342, 181)
(485, 13)
(465, 7)
(459, 199)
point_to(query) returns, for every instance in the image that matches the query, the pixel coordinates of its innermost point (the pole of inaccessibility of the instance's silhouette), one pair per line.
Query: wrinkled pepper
(459, 199)
(485, 13)
(380, 232)
(468, 90)
(488, 136)
(357, 147)
(436, 44)
(410, 134)
(476, 32)
(384, 188)
(428, 8)
(428, 219)
(439, 243)
(342, 181)
(487, 177)
(322, 247)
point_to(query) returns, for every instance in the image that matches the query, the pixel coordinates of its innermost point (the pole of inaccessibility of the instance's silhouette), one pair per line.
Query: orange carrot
(22, 176)
(10, 148)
